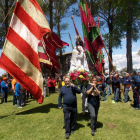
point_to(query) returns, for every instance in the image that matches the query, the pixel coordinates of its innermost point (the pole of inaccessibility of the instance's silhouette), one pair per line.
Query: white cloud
(120, 61)
(133, 46)
(138, 49)
(2, 71)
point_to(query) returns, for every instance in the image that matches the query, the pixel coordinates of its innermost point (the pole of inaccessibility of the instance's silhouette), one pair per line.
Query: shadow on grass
(80, 117)
(99, 125)
(40, 109)
(1, 117)
(78, 126)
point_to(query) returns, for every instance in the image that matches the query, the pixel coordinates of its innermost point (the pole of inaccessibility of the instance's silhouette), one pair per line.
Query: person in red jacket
(49, 81)
(53, 85)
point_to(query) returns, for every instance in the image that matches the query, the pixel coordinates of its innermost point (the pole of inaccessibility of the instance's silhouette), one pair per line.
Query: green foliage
(3, 14)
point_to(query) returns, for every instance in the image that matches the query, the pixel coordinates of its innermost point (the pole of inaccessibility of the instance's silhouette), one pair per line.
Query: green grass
(45, 122)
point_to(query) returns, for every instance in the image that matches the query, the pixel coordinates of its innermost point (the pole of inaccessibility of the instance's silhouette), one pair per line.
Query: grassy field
(45, 122)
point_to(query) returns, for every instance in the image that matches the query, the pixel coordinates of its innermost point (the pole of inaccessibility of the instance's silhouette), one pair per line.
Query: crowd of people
(21, 95)
(90, 94)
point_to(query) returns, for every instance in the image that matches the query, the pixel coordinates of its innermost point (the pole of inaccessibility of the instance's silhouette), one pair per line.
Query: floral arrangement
(81, 77)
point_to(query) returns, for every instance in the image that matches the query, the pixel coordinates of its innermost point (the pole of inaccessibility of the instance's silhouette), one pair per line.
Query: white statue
(78, 60)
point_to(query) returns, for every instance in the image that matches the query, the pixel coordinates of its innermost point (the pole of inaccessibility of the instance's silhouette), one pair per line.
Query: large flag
(20, 52)
(47, 50)
(92, 38)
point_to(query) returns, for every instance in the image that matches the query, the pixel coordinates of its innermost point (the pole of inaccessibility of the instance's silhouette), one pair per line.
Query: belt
(127, 85)
(99, 82)
(117, 86)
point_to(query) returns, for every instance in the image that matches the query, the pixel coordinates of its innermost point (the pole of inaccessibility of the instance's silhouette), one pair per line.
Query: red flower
(78, 77)
(78, 72)
(71, 74)
(83, 79)
(73, 78)
(87, 78)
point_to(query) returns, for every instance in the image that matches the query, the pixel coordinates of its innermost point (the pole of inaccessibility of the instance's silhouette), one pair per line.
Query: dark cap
(134, 72)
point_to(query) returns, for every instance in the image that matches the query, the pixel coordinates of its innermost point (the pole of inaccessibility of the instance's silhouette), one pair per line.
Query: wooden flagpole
(71, 41)
(110, 59)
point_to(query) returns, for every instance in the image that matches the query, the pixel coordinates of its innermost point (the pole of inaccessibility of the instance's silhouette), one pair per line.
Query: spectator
(4, 90)
(104, 90)
(18, 94)
(107, 81)
(45, 91)
(13, 90)
(49, 85)
(117, 87)
(53, 85)
(23, 95)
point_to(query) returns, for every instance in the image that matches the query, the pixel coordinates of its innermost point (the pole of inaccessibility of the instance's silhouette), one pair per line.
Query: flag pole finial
(72, 17)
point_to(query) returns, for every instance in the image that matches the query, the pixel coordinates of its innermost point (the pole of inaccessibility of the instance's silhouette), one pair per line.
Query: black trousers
(50, 89)
(53, 89)
(70, 114)
(93, 110)
(4, 96)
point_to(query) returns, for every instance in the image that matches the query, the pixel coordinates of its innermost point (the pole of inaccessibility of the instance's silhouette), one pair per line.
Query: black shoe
(124, 102)
(67, 136)
(95, 130)
(136, 108)
(64, 127)
(72, 131)
(92, 132)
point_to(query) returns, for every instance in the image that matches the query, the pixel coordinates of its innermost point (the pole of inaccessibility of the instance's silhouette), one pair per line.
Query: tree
(62, 10)
(5, 5)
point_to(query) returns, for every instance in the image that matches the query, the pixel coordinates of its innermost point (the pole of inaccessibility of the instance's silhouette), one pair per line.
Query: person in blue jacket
(117, 87)
(68, 92)
(18, 94)
(127, 87)
(4, 90)
(135, 88)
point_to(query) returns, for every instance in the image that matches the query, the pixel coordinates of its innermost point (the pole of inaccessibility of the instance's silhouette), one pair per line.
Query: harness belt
(127, 85)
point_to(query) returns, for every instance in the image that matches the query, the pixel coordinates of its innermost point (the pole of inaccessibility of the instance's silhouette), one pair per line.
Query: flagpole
(71, 41)
(110, 59)
(106, 50)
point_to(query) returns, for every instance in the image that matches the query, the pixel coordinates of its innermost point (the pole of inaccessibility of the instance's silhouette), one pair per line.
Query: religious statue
(78, 60)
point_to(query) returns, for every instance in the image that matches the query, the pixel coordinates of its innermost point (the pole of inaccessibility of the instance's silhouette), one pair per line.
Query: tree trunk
(110, 45)
(6, 11)
(51, 14)
(60, 51)
(129, 37)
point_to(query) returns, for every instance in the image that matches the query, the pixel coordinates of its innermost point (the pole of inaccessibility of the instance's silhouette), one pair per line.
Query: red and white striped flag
(20, 52)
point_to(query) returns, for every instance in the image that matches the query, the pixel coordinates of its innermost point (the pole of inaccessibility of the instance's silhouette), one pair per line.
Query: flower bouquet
(81, 77)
